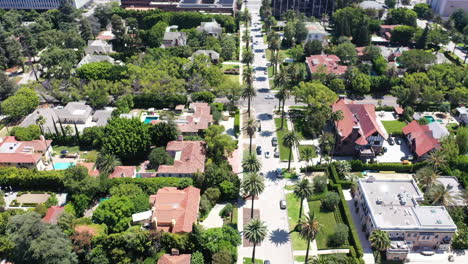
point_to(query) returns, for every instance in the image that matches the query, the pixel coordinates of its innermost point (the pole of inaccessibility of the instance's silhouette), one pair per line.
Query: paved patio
(33, 198)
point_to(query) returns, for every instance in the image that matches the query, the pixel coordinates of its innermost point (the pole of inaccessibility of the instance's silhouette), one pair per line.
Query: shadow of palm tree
(279, 236)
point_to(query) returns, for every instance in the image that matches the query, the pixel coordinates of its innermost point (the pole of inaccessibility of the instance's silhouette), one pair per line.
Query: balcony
(398, 246)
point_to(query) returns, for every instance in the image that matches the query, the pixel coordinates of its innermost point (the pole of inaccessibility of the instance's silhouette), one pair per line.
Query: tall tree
(438, 159)
(251, 128)
(290, 140)
(255, 232)
(380, 240)
(253, 185)
(106, 163)
(303, 190)
(248, 93)
(251, 163)
(308, 228)
(307, 154)
(248, 57)
(439, 194)
(427, 177)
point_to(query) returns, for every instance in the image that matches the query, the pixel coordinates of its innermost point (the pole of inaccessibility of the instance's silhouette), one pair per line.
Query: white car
(267, 154)
(269, 96)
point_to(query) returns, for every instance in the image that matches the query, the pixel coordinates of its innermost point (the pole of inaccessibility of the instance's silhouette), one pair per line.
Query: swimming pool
(63, 165)
(148, 119)
(430, 119)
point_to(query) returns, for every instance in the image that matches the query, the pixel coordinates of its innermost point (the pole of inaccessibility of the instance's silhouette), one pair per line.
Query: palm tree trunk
(279, 104)
(282, 113)
(248, 107)
(290, 156)
(300, 208)
(250, 145)
(253, 253)
(307, 251)
(251, 210)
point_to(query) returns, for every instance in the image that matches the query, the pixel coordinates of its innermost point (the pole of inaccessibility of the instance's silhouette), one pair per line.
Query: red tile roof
(119, 171)
(398, 110)
(360, 51)
(105, 35)
(421, 138)
(180, 259)
(175, 210)
(330, 62)
(92, 171)
(356, 115)
(199, 120)
(86, 229)
(190, 157)
(14, 151)
(53, 214)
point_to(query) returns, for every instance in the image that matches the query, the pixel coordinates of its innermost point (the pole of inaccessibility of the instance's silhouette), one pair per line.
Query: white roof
(438, 130)
(141, 216)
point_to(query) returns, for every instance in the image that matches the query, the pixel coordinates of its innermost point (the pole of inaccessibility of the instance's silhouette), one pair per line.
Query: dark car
(274, 141)
(390, 141)
(398, 140)
(279, 173)
(266, 262)
(283, 204)
(259, 150)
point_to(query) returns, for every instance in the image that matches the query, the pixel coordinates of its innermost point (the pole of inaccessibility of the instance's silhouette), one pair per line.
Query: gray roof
(211, 26)
(370, 5)
(438, 130)
(174, 35)
(101, 117)
(315, 28)
(210, 53)
(49, 115)
(74, 112)
(462, 110)
(94, 58)
(98, 46)
(451, 183)
(393, 205)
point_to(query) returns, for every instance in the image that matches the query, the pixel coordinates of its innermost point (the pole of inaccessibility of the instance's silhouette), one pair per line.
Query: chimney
(342, 96)
(180, 138)
(174, 252)
(155, 222)
(173, 223)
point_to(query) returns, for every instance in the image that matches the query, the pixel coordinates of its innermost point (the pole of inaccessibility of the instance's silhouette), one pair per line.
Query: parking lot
(394, 152)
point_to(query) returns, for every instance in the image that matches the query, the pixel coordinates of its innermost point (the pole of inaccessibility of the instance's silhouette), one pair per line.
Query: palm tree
(255, 232)
(303, 190)
(327, 143)
(40, 121)
(249, 92)
(380, 240)
(463, 196)
(246, 38)
(427, 177)
(253, 185)
(308, 228)
(251, 163)
(307, 154)
(251, 128)
(290, 140)
(106, 163)
(344, 168)
(248, 57)
(275, 60)
(439, 194)
(437, 159)
(248, 76)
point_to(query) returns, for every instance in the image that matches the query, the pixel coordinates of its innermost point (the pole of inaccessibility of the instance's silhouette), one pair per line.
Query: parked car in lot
(274, 141)
(267, 154)
(259, 150)
(279, 173)
(390, 141)
(282, 204)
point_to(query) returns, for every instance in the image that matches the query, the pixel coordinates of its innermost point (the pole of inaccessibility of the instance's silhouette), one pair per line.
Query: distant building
(189, 158)
(359, 132)
(53, 214)
(213, 55)
(315, 8)
(175, 210)
(196, 120)
(74, 113)
(327, 63)
(445, 8)
(94, 58)
(212, 28)
(38, 4)
(98, 47)
(392, 205)
(371, 5)
(34, 154)
(119, 171)
(174, 39)
(207, 6)
(462, 114)
(421, 139)
(315, 31)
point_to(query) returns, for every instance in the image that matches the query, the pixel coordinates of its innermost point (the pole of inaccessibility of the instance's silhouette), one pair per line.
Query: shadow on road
(279, 236)
(271, 175)
(265, 116)
(263, 90)
(266, 134)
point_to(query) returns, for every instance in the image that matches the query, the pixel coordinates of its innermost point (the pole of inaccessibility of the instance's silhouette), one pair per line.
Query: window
(436, 236)
(377, 142)
(408, 235)
(414, 235)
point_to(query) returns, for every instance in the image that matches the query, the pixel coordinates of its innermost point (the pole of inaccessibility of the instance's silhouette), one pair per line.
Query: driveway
(214, 220)
(394, 153)
(386, 100)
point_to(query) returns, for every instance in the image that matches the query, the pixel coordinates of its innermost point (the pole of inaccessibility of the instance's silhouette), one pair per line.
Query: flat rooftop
(393, 205)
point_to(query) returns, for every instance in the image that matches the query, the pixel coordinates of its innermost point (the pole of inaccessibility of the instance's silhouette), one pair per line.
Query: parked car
(283, 204)
(269, 96)
(259, 126)
(390, 141)
(263, 56)
(276, 153)
(398, 140)
(274, 141)
(259, 150)
(279, 173)
(266, 262)
(267, 154)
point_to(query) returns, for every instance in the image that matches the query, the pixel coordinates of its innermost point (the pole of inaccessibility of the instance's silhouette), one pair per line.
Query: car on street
(391, 142)
(398, 140)
(265, 72)
(276, 153)
(267, 154)
(282, 204)
(274, 141)
(259, 150)
(269, 96)
(263, 56)
(266, 262)
(279, 173)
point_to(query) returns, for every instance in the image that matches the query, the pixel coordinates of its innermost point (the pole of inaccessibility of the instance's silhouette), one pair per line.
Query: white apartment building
(37, 4)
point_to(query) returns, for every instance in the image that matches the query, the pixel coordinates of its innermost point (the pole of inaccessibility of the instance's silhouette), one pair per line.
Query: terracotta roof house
(359, 132)
(34, 154)
(198, 119)
(106, 35)
(92, 171)
(175, 210)
(175, 259)
(189, 158)
(53, 214)
(330, 63)
(119, 171)
(421, 139)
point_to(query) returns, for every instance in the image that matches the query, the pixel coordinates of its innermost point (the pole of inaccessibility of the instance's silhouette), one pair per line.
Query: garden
(284, 151)
(394, 127)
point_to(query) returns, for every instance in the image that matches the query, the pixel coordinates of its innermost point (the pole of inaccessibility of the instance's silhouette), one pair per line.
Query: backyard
(394, 127)
(88, 156)
(284, 151)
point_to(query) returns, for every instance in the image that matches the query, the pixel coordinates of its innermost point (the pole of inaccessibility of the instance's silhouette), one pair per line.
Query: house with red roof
(359, 132)
(34, 154)
(325, 63)
(386, 30)
(119, 171)
(175, 210)
(53, 214)
(196, 120)
(175, 259)
(189, 158)
(421, 139)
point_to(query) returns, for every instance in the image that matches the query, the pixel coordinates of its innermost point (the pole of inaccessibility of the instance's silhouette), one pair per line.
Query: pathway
(213, 219)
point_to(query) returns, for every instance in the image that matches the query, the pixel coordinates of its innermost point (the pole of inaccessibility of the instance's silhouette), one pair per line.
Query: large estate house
(189, 158)
(34, 154)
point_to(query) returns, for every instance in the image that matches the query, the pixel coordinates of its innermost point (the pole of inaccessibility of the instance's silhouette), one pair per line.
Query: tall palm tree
(380, 240)
(307, 154)
(344, 168)
(427, 177)
(437, 159)
(275, 60)
(251, 128)
(248, 92)
(326, 143)
(248, 57)
(303, 190)
(251, 163)
(308, 228)
(246, 38)
(281, 81)
(106, 163)
(248, 76)
(253, 185)
(255, 232)
(441, 195)
(40, 121)
(290, 140)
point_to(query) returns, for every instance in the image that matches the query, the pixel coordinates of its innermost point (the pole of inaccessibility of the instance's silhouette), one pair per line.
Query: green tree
(297, 53)
(31, 132)
(460, 18)
(438, 159)
(77, 181)
(290, 140)
(390, 3)
(248, 57)
(313, 47)
(438, 36)
(308, 228)
(347, 53)
(159, 156)
(232, 90)
(427, 177)
(439, 194)
(106, 163)
(248, 93)
(255, 232)
(403, 34)
(352, 22)
(218, 144)
(307, 154)
(289, 32)
(139, 198)
(401, 16)
(462, 140)
(340, 236)
(253, 185)
(116, 213)
(315, 95)
(380, 240)
(154, 36)
(423, 10)
(203, 96)
(361, 83)
(197, 258)
(303, 190)
(416, 60)
(251, 129)
(20, 104)
(163, 132)
(371, 53)
(251, 163)
(330, 201)
(380, 65)
(7, 87)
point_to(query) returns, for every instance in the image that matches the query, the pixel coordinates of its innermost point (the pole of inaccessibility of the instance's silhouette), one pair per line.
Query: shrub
(152, 185)
(357, 165)
(340, 236)
(226, 211)
(158, 101)
(203, 96)
(51, 201)
(320, 184)
(212, 194)
(27, 179)
(237, 124)
(159, 156)
(330, 201)
(26, 133)
(314, 168)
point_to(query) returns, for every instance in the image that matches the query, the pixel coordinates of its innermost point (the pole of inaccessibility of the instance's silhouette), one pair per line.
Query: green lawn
(289, 187)
(284, 151)
(300, 258)
(89, 156)
(229, 66)
(301, 147)
(393, 127)
(249, 261)
(327, 223)
(232, 77)
(292, 204)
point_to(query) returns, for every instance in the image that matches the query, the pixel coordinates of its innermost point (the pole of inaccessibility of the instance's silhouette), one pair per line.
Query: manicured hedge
(152, 185)
(386, 108)
(314, 168)
(237, 124)
(357, 165)
(336, 178)
(158, 101)
(26, 179)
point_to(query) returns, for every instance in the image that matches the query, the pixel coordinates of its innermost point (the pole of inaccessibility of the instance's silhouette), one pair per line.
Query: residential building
(98, 46)
(392, 205)
(371, 5)
(212, 28)
(174, 39)
(207, 6)
(74, 113)
(445, 8)
(197, 119)
(34, 154)
(325, 63)
(213, 55)
(189, 158)
(53, 214)
(454, 187)
(106, 35)
(315, 8)
(119, 171)
(38, 4)
(462, 115)
(359, 132)
(90, 58)
(420, 139)
(175, 210)
(315, 31)
(175, 258)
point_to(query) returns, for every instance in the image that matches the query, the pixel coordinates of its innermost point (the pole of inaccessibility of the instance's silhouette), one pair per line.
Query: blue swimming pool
(148, 119)
(429, 118)
(63, 165)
